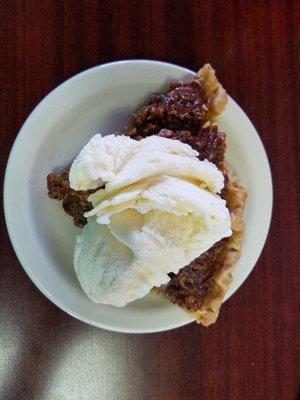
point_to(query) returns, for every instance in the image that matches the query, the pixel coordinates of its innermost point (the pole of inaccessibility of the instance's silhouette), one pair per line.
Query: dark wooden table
(252, 353)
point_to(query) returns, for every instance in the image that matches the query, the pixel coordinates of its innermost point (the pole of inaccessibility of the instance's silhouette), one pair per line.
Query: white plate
(101, 99)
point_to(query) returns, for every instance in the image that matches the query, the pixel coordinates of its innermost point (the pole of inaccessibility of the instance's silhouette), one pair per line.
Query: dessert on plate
(158, 205)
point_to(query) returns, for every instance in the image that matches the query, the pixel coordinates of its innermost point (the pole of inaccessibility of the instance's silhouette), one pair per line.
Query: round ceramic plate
(101, 99)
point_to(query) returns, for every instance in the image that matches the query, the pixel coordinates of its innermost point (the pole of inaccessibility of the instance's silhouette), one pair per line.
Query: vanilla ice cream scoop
(158, 211)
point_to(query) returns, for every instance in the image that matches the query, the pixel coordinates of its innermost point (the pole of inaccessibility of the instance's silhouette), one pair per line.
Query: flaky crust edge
(236, 198)
(216, 96)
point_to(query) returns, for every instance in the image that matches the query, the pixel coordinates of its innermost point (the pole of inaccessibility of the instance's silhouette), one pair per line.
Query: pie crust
(214, 92)
(231, 251)
(236, 198)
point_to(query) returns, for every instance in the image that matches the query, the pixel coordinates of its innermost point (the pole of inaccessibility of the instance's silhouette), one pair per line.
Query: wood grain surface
(252, 352)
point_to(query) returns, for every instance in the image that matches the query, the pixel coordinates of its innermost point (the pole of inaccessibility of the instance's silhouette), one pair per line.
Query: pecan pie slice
(185, 112)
